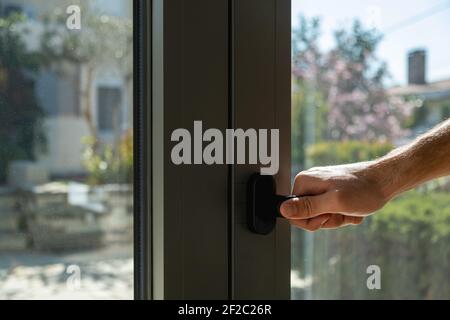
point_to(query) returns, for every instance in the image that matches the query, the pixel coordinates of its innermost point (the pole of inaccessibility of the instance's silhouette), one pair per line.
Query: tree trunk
(86, 101)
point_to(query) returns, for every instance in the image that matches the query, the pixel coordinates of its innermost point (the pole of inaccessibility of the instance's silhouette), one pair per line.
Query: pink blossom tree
(346, 85)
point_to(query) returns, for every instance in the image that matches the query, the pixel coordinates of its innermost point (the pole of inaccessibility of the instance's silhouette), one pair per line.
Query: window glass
(109, 111)
(369, 76)
(66, 197)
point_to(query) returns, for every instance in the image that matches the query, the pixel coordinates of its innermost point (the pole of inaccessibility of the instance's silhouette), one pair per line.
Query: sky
(406, 25)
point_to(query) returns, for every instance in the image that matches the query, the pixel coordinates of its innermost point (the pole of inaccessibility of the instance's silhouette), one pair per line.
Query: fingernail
(287, 208)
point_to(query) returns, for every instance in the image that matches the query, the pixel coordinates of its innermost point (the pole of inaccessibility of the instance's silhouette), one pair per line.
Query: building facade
(432, 98)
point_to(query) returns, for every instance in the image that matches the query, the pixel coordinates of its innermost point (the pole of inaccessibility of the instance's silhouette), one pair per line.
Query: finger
(309, 185)
(313, 224)
(339, 220)
(309, 206)
(326, 221)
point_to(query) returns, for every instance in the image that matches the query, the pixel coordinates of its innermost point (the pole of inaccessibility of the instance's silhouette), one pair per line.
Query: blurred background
(66, 156)
(369, 76)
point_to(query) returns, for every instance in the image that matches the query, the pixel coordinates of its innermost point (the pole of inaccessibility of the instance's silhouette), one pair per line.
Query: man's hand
(332, 197)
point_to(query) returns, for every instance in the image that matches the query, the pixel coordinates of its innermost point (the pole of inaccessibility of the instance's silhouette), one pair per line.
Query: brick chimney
(417, 64)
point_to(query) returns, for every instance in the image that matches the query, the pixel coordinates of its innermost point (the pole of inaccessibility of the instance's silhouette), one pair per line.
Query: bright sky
(407, 24)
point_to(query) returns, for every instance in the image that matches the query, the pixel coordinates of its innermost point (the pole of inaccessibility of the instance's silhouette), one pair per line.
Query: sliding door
(215, 65)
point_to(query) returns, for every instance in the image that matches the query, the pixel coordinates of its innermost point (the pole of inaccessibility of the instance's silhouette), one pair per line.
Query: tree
(309, 105)
(102, 40)
(21, 131)
(360, 107)
(344, 88)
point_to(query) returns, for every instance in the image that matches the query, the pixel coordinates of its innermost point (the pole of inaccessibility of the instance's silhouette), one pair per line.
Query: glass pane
(66, 157)
(369, 76)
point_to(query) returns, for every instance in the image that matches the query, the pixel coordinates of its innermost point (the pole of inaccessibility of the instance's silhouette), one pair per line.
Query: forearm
(427, 158)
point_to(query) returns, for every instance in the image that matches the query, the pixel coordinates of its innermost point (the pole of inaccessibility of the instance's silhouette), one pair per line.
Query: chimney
(417, 63)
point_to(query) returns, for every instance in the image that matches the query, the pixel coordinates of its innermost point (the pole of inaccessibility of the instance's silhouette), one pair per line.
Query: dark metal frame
(206, 251)
(142, 151)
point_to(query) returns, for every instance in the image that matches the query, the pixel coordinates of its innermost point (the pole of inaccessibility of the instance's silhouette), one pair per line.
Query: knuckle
(300, 176)
(331, 182)
(339, 220)
(299, 183)
(326, 219)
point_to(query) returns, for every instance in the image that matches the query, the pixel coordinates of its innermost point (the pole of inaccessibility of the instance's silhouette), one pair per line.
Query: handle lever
(263, 204)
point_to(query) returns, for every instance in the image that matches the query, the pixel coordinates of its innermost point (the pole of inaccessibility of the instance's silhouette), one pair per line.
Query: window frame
(142, 49)
(119, 109)
(235, 264)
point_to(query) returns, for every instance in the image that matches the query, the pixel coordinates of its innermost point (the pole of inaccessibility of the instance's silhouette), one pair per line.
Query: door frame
(142, 77)
(221, 63)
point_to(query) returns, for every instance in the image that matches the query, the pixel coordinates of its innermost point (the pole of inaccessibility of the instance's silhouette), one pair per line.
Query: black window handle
(263, 204)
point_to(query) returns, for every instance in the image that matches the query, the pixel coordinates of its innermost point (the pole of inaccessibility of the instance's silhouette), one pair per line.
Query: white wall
(64, 145)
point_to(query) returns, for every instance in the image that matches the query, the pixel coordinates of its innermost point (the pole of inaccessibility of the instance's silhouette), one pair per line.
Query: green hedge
(425, 216)
(336, 152)
(408, 239)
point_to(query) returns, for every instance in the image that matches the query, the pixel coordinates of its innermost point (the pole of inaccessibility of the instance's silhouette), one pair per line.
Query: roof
(433, 90)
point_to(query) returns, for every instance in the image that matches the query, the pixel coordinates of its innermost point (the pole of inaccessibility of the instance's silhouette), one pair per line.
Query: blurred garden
(342, 113)
(25, 84)
(66, 159)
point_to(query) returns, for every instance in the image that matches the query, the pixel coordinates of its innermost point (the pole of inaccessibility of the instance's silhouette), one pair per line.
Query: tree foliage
(103, 40)
(108, 166)
(342, 91)
(21, 117)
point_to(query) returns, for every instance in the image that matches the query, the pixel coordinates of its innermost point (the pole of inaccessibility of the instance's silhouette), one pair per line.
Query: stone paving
(101, 274)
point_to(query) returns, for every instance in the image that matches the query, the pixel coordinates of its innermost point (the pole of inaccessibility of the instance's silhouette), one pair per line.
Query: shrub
(106, 164)
(340, 152)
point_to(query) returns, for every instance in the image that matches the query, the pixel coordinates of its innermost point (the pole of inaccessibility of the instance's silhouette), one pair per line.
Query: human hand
(336, 196)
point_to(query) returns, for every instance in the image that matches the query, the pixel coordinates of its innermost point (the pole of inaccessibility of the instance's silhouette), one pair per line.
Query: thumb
(305, 207)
